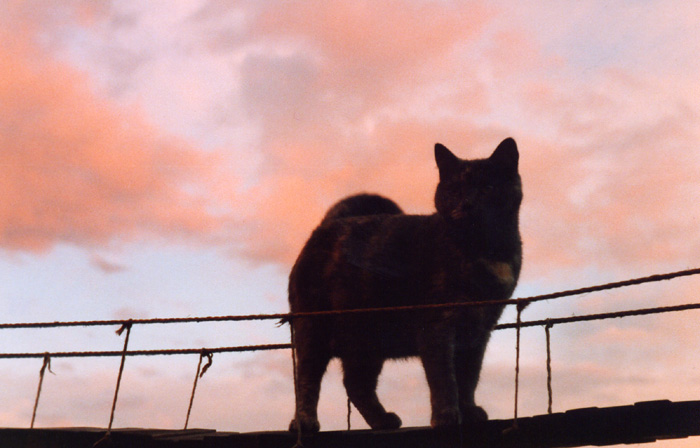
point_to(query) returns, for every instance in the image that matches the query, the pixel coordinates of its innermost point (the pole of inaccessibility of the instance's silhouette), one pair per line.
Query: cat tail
(362, 204)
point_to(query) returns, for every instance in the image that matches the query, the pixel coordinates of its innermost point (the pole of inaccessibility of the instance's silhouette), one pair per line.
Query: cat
(367, 253)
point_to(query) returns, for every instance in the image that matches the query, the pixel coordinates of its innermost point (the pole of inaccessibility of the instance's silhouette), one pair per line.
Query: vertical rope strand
(296, 384)
(42, 371)
(349, 411)
(547, 327)
(517, 366)
(199, 374)
(127, 327)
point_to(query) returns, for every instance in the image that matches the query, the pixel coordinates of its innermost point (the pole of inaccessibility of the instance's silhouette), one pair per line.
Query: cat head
(480, 192)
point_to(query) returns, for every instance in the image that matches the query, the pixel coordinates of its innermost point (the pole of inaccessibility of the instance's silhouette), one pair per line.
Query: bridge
(639, 423)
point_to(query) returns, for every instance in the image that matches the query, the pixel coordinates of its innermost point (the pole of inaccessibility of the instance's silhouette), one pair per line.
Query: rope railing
(524, 301)
(264, 347)
(164, 352)
(126, 325)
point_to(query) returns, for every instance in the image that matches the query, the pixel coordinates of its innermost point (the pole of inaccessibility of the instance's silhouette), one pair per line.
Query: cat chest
(485, 279)
(502, 272)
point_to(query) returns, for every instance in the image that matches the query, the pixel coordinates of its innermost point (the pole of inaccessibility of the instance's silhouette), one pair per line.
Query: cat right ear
(506, 155)
(447, 163)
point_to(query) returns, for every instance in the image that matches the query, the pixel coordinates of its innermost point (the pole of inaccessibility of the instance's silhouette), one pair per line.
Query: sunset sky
(169, 159)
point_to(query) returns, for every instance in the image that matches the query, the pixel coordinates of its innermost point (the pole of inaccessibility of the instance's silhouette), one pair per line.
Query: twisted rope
(517, 364)
(248, 348)
(298, 443)
(164, 352)
(286, 317)
(199, 374)
(547, 327)
(601, 316)
(46, 365)
(125, 327)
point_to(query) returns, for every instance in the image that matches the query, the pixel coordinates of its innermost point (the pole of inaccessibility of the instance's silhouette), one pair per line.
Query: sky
(169, 159)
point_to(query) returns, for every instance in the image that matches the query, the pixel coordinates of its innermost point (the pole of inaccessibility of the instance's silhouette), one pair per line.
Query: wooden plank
(638, 423)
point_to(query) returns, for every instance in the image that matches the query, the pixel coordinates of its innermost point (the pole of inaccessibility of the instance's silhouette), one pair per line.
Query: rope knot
(210, 360)
(125, 326)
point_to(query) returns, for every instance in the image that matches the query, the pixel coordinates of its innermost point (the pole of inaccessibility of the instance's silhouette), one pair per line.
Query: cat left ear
(447, 162)
(506, 155)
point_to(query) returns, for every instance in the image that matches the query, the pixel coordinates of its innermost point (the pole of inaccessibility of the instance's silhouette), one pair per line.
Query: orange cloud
(344, 99)
(370, 42)
(620, 185)
(80, 170)
(355, 103)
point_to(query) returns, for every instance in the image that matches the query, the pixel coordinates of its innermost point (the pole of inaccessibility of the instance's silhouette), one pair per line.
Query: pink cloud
(345, 109)
(621, 182)
(344, 102)
(370, 44)
(80, 170)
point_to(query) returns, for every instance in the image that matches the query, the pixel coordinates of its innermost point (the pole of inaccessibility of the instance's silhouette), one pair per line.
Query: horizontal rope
(601, 316)
(182, 351)
(157, 320)
(250, 348)
(288, 316)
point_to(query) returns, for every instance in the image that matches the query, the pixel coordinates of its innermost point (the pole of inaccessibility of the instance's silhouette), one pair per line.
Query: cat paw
(387, 421)
(474, 413)
(445, 418)
(308, 425)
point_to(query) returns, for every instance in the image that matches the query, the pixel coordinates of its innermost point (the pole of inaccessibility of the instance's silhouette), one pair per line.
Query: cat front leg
(469, 357)
(468, 362)
(437, 356)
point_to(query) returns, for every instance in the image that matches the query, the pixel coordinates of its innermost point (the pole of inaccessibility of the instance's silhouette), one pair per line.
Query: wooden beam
(638, 423)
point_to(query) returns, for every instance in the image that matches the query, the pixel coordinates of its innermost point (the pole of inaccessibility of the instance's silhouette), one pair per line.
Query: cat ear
(447, 162)
(506, 155)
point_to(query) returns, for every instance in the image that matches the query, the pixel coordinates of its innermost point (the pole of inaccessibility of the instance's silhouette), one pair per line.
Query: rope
(547, 327)
(127, 327)
(349, 411)
(286, 317)
(248, 348)
(517, 365)
(46, 364)
(198, 375)
(298, 443)
(179, 351)
(601, 316)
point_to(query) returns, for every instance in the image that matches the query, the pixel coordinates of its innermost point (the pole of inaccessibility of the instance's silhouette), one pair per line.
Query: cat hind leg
(360, 380)
(312, 360)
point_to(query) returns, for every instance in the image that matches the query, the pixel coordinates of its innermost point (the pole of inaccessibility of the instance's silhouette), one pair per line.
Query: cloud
(335, 100)
(106, 266)
(622, 179)
(605, 159)
(365, 44)
(78, 169)
(345, 106)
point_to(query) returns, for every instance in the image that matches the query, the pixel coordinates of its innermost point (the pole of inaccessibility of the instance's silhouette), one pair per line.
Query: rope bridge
(207, 353)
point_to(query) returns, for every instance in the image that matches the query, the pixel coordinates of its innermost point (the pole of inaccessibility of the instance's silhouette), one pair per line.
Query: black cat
(367, 254)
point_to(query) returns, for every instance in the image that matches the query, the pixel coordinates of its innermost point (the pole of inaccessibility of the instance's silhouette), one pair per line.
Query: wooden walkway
(638, 423)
